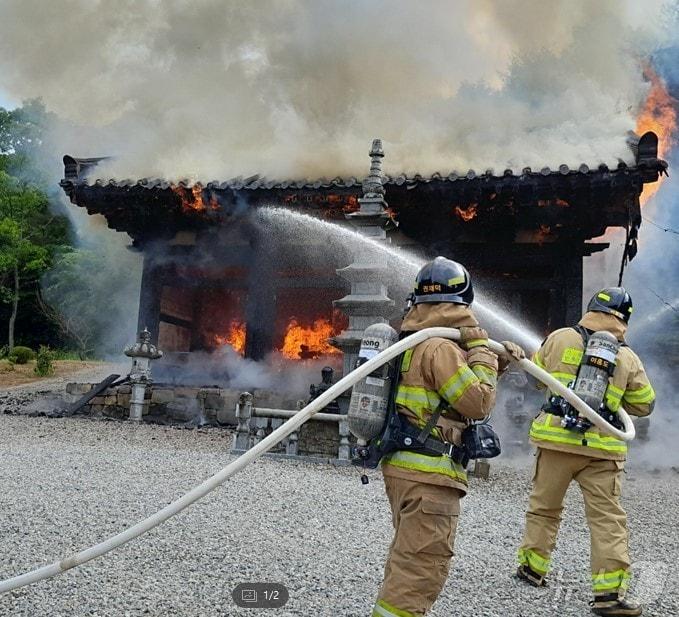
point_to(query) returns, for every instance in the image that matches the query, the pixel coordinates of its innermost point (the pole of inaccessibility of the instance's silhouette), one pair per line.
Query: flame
(660, 116)
(466, 214)
(350, 204)
(311, 341)
(562, 203)
(235, 337)
(543, 233)
(332, 203)
(192, 198)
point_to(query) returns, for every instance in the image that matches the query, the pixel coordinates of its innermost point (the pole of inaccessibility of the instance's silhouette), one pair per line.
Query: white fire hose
(289, 427)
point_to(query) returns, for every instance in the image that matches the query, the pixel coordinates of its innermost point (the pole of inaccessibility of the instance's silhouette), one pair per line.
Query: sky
(6, 101)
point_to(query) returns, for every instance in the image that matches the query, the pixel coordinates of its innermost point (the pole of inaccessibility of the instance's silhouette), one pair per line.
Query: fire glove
(514, 353)
(471, 336)
(514, 350)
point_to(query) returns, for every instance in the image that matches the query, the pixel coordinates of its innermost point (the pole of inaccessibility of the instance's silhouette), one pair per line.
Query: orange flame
(466, 214)
(660, 116)
(305, 342)
(235, 337)
(192, 198)
(542, 203)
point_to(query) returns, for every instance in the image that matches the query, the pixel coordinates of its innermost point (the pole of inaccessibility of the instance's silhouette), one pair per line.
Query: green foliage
(30, 233)
(44, 362)
(22, 141)
(67, 354)
(75, 288)
(22, 355)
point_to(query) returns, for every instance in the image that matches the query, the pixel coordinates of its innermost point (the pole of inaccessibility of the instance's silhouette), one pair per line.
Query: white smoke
(294, 88)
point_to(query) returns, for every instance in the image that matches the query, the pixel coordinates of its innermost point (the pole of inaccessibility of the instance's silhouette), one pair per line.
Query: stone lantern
(142, 352)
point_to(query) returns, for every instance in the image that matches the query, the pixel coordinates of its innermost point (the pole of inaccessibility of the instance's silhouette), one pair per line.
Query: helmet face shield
(614, 301)
(443, 280)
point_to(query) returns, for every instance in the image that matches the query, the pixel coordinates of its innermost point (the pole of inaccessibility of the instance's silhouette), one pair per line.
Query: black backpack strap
(429, 426)
(395, 379)
(583, 332)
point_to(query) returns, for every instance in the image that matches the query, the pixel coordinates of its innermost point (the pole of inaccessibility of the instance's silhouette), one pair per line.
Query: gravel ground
(69, 483)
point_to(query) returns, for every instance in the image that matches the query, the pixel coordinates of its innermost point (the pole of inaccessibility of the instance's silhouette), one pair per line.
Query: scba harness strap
(478, 440)
(558, 406)
(399, 434)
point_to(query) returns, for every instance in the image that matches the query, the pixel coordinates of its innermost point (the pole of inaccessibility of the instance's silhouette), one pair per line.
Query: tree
(22, 142)
(30, 233)
(25, 242)
(80, 283)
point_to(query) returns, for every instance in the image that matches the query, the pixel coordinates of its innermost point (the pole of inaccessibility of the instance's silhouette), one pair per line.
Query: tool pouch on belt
(480, 441)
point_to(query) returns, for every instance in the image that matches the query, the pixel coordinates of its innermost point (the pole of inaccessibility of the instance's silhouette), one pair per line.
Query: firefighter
(591, 458)
(457, 379)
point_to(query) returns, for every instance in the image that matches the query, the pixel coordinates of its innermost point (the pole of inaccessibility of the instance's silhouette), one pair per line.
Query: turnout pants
(425, 520)
(600, 483)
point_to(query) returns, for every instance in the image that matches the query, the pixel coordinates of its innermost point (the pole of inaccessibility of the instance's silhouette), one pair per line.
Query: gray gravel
(69, 483)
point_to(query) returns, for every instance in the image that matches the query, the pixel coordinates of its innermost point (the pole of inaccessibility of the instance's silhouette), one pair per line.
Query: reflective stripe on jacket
(629, 386)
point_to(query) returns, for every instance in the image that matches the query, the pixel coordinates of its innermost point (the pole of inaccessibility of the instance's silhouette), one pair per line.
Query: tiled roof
(257, 182)
(77, 170)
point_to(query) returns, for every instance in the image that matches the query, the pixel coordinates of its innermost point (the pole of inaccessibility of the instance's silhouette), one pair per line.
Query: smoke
(653, 282)
(227, 369)
(290, 88)
(95, 289)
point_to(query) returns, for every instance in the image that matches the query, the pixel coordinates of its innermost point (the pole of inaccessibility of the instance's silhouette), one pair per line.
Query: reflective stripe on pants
(535, 562)
(607, 582)
(384, 609)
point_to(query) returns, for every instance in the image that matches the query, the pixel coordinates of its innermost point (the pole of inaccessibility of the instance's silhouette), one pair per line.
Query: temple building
(210, 278)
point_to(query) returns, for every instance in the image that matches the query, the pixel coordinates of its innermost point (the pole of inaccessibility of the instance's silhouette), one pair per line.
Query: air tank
(597, 365)
(370, 396)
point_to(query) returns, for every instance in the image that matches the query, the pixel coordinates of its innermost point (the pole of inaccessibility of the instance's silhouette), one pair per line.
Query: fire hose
(291, 426)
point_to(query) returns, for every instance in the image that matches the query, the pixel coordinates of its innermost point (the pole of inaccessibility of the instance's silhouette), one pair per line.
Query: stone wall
(318, 438)
(173, 403)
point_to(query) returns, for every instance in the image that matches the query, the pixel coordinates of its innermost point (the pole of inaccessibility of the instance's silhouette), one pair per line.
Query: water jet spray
(410, 265)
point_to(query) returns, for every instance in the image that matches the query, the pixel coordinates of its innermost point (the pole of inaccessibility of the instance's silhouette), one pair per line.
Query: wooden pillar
(566, 295)
(573, 289)
(260, 308)
(149, 298)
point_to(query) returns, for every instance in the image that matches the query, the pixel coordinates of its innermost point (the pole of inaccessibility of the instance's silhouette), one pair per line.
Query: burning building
(212, 275)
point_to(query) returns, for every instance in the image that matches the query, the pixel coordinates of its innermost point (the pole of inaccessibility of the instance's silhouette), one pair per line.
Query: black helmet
(443, 280)
(613, 300)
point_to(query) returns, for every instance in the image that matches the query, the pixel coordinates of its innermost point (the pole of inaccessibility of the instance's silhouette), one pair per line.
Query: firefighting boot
(527, 575)
(611, 605)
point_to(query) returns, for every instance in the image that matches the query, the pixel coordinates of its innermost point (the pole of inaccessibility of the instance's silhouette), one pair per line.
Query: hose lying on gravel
(289, 427)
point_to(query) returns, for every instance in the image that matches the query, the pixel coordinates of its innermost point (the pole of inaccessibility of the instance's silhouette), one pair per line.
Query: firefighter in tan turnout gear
(570, 449)
(425, 491)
